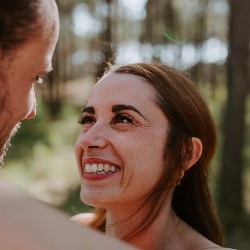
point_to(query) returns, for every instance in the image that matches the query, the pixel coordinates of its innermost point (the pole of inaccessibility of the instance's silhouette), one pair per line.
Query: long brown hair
(189, 117)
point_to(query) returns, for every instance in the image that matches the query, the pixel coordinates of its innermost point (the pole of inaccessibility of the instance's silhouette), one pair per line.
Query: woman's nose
(95, 137)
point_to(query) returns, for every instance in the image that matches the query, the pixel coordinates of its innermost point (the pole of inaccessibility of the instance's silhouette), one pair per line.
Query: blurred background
(209, 39)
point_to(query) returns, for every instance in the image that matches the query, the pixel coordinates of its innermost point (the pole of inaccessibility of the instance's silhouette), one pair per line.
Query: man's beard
(5, 143)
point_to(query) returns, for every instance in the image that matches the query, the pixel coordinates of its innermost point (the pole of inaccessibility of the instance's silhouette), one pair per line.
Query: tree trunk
(106, 38)
(230, 183)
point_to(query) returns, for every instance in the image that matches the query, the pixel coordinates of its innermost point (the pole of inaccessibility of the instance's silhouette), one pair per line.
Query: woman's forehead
(126, 81)
(122, 88)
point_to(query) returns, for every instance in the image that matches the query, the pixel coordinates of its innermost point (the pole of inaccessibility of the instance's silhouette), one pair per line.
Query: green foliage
(41, 159)
(73, 205)
(30, 133)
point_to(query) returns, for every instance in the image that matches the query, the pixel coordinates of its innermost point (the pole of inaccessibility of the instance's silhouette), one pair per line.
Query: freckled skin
(136, 144)
(32, 60)
(133, 139)
(21, 68)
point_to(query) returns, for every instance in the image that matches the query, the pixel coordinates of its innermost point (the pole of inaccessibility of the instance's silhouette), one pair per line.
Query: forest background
(208, 39)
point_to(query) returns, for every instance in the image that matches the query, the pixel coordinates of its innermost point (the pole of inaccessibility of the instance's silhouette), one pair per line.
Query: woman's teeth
(100, 168)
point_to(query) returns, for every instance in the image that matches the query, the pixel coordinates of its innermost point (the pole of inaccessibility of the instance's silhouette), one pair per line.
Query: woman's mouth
(100, 168)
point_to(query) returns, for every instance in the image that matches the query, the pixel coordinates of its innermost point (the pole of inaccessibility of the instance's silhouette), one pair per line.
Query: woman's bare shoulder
(208, 245)
(83, 218)
(217, 248)
(194, 240)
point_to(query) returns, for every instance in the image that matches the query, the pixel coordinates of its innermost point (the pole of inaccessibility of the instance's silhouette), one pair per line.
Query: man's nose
(32, 114)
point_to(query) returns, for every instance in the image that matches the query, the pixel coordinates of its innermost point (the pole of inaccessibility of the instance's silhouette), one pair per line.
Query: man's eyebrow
(89, 109)
(45, 71)
(119, 107)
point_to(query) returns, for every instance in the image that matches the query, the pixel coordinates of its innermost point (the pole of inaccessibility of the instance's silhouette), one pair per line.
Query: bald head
(22, 20)
(48, 17)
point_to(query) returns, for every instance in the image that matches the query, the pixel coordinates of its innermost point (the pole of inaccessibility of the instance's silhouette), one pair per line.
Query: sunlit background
(191, 35)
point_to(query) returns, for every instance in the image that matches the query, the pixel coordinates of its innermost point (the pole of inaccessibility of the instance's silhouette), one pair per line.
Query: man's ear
(196, 152)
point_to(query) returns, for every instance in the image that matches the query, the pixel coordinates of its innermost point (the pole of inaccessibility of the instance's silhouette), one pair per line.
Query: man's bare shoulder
(29, 224)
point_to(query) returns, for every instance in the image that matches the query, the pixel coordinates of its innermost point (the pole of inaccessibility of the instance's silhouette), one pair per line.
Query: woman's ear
(196, 152)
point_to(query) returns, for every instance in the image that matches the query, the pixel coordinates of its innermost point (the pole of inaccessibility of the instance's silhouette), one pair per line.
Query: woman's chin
(92, 200)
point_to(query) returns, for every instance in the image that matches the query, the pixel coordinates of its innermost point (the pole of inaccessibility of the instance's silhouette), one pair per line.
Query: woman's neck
(119, 224)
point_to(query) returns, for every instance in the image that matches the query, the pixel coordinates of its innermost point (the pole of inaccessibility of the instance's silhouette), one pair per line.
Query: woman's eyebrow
(119, 107)
(89, 109)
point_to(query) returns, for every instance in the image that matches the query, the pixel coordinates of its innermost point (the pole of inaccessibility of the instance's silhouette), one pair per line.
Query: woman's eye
(38, 80)
(86, 120)
(122, 119)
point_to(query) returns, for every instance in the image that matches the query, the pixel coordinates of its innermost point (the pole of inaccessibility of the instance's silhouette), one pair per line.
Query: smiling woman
(143, 154)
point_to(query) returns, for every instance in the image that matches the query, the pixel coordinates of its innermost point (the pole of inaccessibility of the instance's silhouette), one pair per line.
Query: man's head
(28, 34)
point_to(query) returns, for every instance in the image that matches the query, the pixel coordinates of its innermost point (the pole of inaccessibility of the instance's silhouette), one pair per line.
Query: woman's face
(120, 147)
